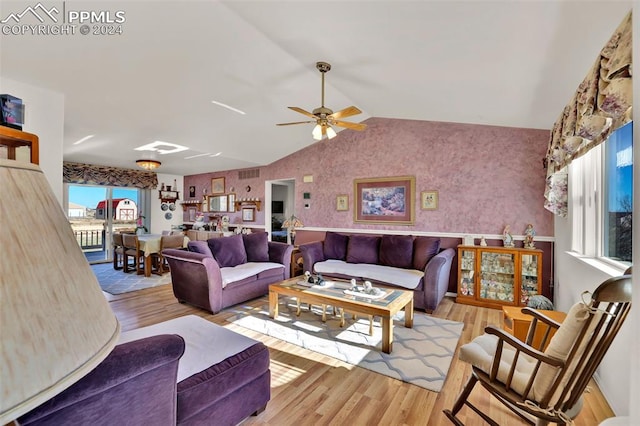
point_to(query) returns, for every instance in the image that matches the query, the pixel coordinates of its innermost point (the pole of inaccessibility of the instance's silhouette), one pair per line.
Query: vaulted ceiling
(505, 63)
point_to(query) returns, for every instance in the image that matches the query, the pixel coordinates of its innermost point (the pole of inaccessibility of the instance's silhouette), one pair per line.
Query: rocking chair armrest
(541, 317)
(519, 345)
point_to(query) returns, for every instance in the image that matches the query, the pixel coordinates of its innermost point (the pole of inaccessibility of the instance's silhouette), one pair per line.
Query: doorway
(95, 212)
(279, 205)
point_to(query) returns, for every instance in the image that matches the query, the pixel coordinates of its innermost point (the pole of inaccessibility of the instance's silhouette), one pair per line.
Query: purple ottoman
(223, 376)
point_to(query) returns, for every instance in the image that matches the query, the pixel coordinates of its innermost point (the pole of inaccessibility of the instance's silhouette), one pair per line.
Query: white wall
(158, 221)
(44, 117)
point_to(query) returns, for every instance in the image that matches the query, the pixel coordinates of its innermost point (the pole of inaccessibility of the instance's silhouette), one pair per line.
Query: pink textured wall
(486, 176)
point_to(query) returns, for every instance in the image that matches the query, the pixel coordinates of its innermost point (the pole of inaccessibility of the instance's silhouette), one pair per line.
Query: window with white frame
(601, 191)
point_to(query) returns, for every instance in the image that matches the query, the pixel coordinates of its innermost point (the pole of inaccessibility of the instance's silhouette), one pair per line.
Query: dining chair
(130, 245)
(546, 386)
(118, 251)
(166, 241)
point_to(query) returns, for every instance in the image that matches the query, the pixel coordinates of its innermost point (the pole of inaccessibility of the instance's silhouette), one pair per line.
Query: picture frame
(231, 203)
(217, 185)
(248, 214)
(192, 211)
(342, 203)
(192, 192)
(429, 200)
(386, 200)
(217, 203)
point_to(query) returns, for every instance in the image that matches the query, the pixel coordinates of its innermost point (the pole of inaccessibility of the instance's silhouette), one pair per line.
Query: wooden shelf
(168, 196)
(14, 138)
(248, 203)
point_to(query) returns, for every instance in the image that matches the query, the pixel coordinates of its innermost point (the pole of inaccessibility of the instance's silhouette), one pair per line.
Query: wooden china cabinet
(493, 277)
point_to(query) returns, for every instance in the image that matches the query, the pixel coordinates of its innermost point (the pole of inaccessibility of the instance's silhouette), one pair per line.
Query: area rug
(117, 282)
(421, 355)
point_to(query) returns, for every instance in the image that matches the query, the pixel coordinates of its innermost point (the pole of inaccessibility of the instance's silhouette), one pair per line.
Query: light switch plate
(307, 178)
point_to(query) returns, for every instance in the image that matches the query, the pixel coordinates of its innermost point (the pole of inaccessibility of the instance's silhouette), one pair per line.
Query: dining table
(150, 244)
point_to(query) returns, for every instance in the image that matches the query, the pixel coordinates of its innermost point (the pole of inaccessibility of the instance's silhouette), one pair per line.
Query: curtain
(81, 173)
(601, 104)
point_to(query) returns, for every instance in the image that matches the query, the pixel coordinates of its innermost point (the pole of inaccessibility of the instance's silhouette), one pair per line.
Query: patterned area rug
(421, 355)
(117, 282)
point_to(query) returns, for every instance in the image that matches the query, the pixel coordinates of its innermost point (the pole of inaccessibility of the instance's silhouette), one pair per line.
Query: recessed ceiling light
(162, 147)
(228, 107)
(196, 156)
(86, 138)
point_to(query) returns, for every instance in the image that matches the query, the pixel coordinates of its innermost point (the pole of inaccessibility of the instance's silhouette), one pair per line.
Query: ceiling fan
(324, 117)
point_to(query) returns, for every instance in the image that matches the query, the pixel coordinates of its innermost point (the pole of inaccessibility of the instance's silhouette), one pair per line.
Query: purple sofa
(184, 376)
(406, 261)
(226, 271)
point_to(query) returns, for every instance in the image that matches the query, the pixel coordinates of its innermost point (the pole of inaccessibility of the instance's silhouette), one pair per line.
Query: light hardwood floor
(312, 389)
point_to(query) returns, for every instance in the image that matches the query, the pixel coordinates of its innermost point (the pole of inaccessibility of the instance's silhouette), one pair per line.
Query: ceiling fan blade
(352, 126)
(303, 112)
(297, 122)
(347, 112)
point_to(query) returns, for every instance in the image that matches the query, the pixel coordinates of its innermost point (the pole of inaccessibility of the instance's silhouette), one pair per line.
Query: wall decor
(388, 200)
(342, 203)
(429, 200)
(248, 214)
(217, 203)
(217, 185)
(192, 213)
(192, 192)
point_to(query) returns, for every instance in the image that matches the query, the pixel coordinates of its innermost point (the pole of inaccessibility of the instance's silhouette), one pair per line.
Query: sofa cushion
(255, 244)
(247, 272)
(335, 246)
(201, 247)
(397, 251)
(363, 249)
(424, 248)
(228, 251)
(399, 277)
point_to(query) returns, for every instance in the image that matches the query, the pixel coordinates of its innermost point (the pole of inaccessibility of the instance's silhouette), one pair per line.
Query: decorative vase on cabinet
(498, 276)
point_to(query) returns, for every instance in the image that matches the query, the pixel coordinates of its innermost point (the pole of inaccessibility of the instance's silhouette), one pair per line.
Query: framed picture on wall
(217, 185)
(388, 200)
(192, 192)
(248, 214)
(192, 213)
(429, 200)
(342, 203)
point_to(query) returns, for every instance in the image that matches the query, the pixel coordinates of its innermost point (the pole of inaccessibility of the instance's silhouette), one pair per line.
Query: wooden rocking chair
(542, 387)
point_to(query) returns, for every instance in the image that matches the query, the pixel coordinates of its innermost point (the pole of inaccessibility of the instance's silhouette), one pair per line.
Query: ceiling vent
(249, 174)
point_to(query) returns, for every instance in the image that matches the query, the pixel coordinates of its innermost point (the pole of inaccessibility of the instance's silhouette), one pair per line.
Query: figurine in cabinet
(529, 233)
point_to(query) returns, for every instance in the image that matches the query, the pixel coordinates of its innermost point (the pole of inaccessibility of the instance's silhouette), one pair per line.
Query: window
(601, 191)
(618, 194)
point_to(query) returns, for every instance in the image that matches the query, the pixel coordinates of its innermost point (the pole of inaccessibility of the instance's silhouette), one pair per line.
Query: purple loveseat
(193, 373)
(225, 271)
(406, 261)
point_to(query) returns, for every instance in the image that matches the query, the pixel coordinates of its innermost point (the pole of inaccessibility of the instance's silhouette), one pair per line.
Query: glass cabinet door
(467, 270)
(497, 276)
(529, 281)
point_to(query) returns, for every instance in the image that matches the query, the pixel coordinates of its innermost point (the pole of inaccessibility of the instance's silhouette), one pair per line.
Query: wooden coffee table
(333, 294)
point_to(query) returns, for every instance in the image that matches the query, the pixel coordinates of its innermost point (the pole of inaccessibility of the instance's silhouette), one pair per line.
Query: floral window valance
(112, 176)
(601, 104)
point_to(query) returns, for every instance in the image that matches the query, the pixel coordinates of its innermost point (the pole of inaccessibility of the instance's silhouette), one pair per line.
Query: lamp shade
(292, 222)
(55, 323)
(148, 164)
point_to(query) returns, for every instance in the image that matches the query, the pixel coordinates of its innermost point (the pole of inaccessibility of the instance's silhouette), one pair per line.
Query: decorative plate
(172, 206)
(168, 215)
(164, 207)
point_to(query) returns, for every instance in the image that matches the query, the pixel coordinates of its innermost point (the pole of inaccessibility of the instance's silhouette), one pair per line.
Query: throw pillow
(363, 249)
(257, 246)
(335, 246)
(228, 251)
(199, 247)
(397, 251)
(424, 248)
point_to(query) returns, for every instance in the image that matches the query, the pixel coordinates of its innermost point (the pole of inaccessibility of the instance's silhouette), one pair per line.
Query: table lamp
(55, 323)
(291, 224)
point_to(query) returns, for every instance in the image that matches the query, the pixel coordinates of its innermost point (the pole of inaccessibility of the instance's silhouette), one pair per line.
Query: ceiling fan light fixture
(317, 132)
(148, 164)
(331, 133)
